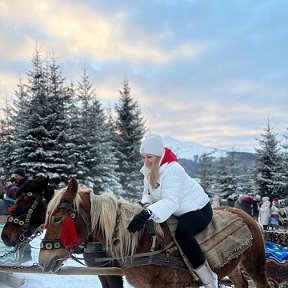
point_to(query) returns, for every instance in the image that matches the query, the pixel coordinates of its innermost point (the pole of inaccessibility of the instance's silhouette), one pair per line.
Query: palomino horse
(29, 214)
(108, 218)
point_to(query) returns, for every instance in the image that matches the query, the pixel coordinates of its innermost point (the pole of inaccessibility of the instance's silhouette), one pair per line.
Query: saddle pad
(225, 238)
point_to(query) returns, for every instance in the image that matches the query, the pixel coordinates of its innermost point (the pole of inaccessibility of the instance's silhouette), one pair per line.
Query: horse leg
(237, 278)
(115, 281)
(255, 265)
(104, 282)
(111, 281)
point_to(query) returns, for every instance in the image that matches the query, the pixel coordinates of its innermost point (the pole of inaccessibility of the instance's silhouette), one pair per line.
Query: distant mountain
(187, 149)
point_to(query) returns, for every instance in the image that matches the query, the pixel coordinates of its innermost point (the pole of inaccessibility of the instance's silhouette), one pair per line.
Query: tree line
(62, 130)
(264, 172)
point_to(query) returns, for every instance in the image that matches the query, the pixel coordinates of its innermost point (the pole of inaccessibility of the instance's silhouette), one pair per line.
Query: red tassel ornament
(69, 236)
(12, 209)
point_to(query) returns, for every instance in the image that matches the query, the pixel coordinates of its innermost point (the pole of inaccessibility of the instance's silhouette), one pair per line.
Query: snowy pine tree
(95, 162)
(206, 173)
(19, 116)
(128, 131)
(267, 160)
(221, 179)
(232, 175)
(40, 121)
(282, 172)
(28, 122)
(6, 143)
(59, 100)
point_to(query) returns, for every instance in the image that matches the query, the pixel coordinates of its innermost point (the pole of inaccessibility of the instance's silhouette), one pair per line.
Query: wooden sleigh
(277, 271)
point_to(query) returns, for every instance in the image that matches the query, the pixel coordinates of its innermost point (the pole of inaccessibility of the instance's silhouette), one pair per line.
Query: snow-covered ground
(33, 280)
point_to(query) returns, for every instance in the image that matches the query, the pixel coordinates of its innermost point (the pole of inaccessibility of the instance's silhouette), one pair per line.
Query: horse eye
(57, 219)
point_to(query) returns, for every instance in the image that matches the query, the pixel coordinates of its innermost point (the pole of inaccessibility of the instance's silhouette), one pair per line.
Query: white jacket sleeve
(168, 204)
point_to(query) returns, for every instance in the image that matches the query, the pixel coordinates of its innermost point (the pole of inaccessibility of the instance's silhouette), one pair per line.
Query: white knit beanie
(153, 145)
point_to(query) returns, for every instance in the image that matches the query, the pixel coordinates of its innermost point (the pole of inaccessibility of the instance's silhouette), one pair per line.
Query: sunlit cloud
(201, 76)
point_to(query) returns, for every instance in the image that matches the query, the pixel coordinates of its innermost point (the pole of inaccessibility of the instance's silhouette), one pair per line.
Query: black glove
(139, 220)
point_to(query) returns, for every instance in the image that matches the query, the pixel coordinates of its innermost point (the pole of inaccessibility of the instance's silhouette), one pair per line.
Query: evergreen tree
(246, 181)
(222, 186)
(40, 121)
(84, 94)
(232, 169)
(73, 149)
(282, 171)
(267, 159)
(19, 117)
(100, 161)
(6, 143)
(58, 123)
(206, 173)
(128, 131)
(94, 148)
(28, 122)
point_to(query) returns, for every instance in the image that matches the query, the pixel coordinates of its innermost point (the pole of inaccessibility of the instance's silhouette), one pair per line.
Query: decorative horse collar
(38, 198)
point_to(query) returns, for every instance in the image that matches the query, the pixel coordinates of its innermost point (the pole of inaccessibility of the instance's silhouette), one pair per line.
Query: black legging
(189, 225)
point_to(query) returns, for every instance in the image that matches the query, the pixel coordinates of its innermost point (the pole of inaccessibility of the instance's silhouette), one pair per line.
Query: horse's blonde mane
(104, 210)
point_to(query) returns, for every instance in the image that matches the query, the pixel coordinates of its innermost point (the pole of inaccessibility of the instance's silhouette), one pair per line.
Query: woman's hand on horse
(139, 220)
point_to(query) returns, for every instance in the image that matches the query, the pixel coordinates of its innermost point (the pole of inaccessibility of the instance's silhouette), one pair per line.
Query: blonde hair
(154, 173)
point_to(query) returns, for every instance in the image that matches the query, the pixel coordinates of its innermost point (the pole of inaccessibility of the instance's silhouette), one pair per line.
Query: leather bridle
(24, 219)
(72, 212)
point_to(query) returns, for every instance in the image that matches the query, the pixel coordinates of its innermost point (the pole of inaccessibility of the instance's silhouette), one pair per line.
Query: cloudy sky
(207, 71)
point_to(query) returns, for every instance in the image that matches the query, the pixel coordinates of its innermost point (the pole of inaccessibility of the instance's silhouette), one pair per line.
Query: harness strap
(156, 260)
(76, 259)
(139, 255)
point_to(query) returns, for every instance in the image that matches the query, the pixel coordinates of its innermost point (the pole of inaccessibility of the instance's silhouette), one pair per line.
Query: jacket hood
(168, 156)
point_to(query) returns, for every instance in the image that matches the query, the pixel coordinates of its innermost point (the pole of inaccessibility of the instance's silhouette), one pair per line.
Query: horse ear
(71, 191)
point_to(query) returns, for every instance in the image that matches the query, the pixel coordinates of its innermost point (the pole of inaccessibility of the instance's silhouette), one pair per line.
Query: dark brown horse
(29, 211)
(29, 214)
(108, 219)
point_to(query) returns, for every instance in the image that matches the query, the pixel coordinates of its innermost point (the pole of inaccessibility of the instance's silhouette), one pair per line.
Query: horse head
(28, 212)
(67, 226)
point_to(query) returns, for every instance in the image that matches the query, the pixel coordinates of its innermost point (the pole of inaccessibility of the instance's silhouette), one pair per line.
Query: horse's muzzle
(53, 265)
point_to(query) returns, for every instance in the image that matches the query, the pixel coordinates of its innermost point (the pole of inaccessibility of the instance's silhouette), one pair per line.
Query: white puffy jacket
(177, 193)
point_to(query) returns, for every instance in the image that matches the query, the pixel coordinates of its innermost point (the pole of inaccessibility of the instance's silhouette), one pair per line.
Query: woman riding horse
(168, 190)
